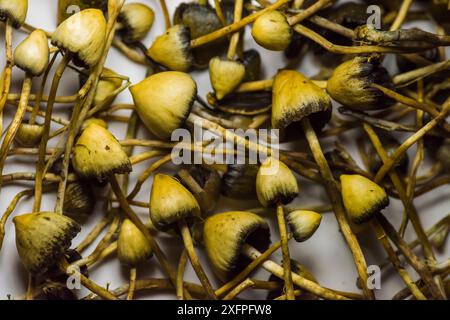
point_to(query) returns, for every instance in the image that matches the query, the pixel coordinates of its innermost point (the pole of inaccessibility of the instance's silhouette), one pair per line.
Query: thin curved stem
(288, 285)
(132, 287)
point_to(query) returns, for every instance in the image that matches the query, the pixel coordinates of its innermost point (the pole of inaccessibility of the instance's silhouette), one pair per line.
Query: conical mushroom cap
(362, 197)
(109, 82)
(224, 234)
(171, 202)
(350, 84)
(132, 246)
(82, 34)
(164, 100)
(98, 154)
(275, 183)
(137, 19)
(29, 135)
(42, 238)
(294, 97)
(16, 10)
(32, 54)
(225, 75)
(79, 199)
(172, 49)
(272, 31)
(303, 223)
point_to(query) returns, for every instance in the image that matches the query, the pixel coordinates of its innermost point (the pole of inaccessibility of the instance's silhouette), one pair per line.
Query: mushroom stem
(308, 12)
(401, 15)
(7, 70)
(381, 236)
(303, 283)
(88, 283)
(132, 286)
(195, 262)
(39, 96)
(180, 275)
(238, 7)
(15, 123)
(247, 283)
(392, 160)
(338, 207)
(135, 219)
(165, 13)
(235, 26)
(131, 54)
(45, 135)
(288, 285)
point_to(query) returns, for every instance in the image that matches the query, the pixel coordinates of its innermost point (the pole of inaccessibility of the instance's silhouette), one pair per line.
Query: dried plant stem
(244, 285)
(131, 54)
(338, 207)
(409, 207)
(392, 160)
(401, 15)
(381, 236)
(15, 123)
(89, 284)
(298, 280)
(132, 287)
(337, 49)
(165, 13)
(95, 232)
(288, 285)
(135, 219)
(195, 262)
(318, 5)
(235, 26)
(5, 78)
(234, 41)
(180, 275)
(219, 12)
(43, 145)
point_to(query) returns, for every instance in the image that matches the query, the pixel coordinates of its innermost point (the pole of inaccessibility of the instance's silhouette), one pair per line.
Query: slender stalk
(132, 287)
(165, 13)
(15, 123)
(180, 275)
(7, 70)
(338, 207)
(288, 285)
(190, 250)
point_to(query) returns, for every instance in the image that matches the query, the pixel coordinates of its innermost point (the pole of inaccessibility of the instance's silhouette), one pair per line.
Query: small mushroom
(172, 49)
(362, 197)
(136, 20)
(276, 186)
(42, 239)
(14, 10)
(272, 31)
(303, 223)
(239, 182)
(29, 135)
(164, 100)
(97, 154)
(351, 84)
(79, 199)
(83, 35)
(225, 75)
(32, 54)
(172, 206)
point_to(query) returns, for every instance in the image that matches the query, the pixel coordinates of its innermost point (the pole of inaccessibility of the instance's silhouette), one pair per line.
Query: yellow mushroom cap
(275, 183)
(350, 84)
(132, 245)
(303, 223)
(98, 154)
(29, 135)
(137, 20)
(294, 97)
(272, 31)
(224, 234)
(172, 49)
(225, 75)
(362, 197)
(16, 10)
(97, 121)
(42, 238)
(82, 34)
(164, 100)
(171, 202)
(109, 82)
(32, 54)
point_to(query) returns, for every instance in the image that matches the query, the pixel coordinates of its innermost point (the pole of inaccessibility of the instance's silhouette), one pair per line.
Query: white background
(325, 254)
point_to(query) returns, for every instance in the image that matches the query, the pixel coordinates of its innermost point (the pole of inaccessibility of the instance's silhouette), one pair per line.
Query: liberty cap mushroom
(14, 10)
(42, 238)
(272, 31)
(136, 21)
(303, 223)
